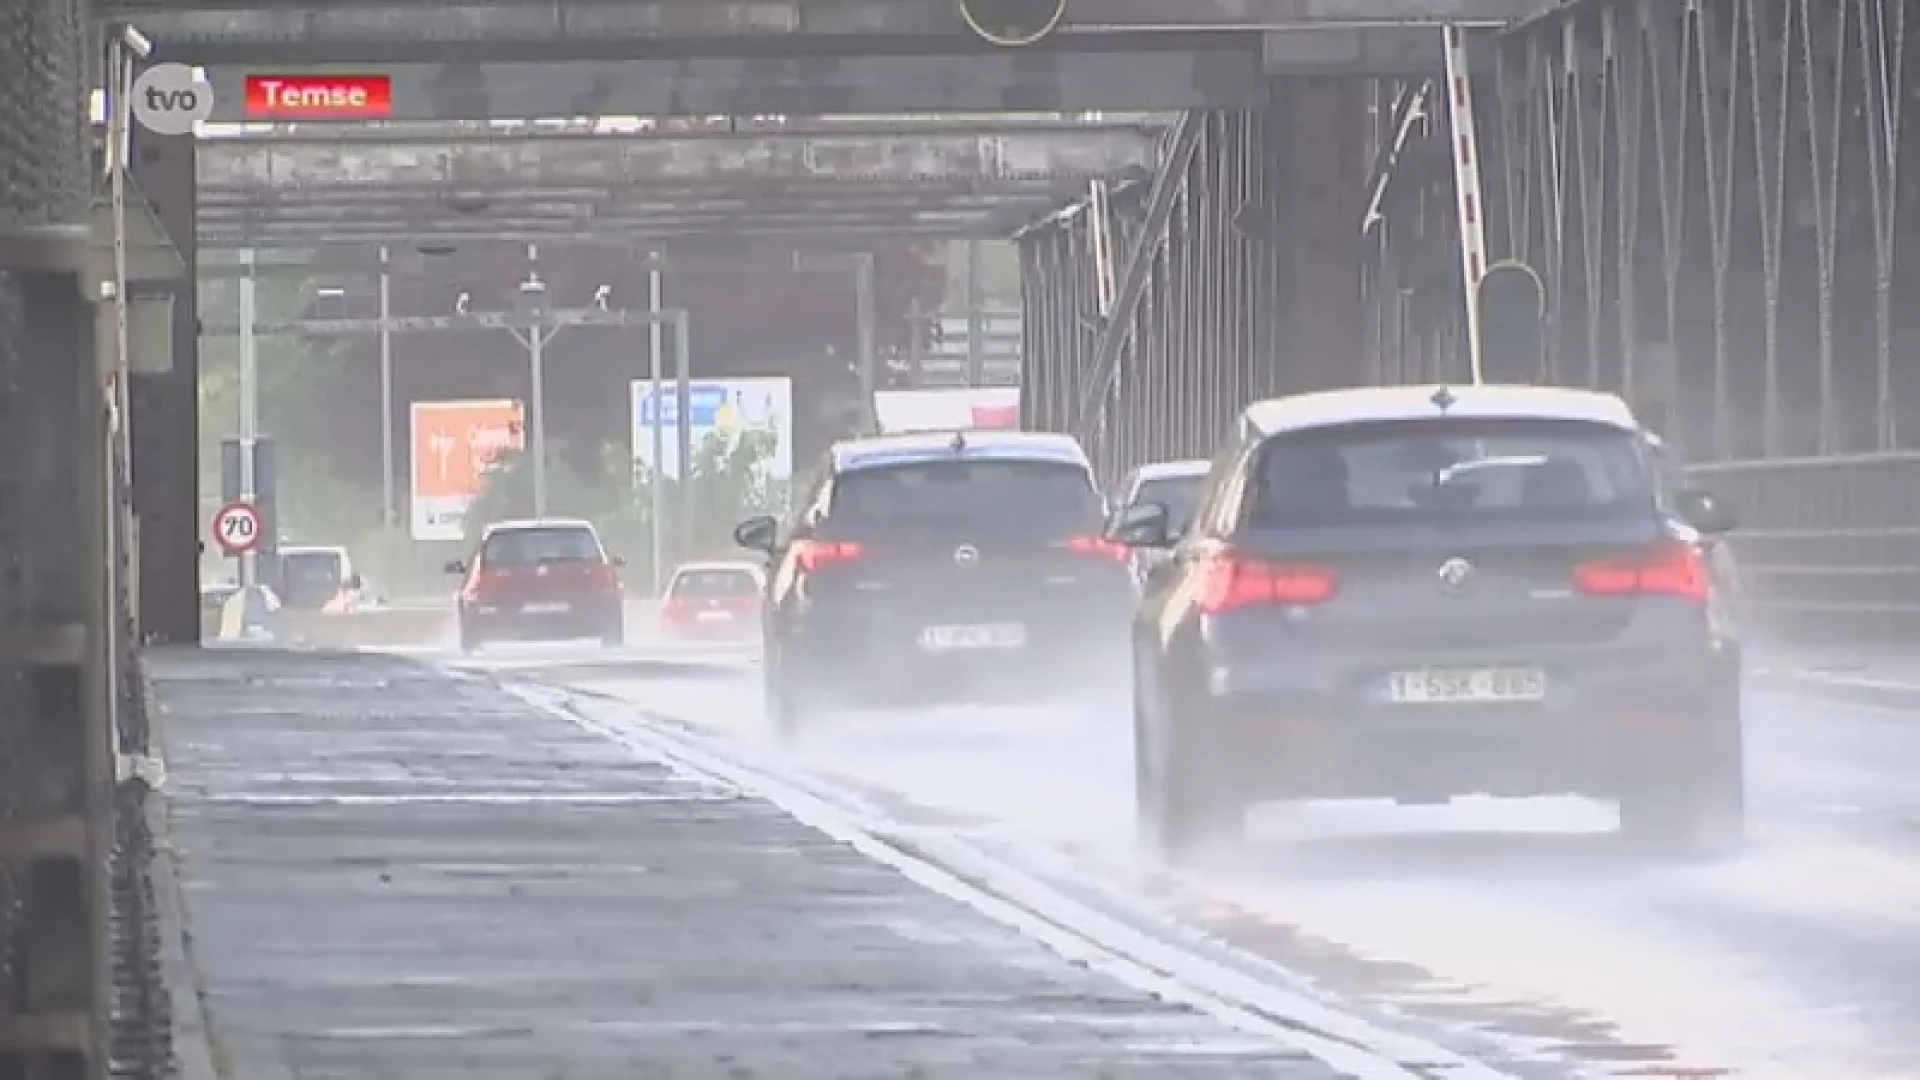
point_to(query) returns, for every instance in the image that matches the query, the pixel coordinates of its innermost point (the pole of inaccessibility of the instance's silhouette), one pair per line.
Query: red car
(542, 580)
(714, 600)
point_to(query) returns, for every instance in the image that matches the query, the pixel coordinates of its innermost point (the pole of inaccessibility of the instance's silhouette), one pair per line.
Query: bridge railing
(1828, 547)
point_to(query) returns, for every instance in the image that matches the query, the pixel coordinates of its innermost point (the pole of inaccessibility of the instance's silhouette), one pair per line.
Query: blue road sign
(705, 399)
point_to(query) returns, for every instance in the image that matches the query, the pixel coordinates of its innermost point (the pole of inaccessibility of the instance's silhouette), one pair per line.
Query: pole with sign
(236, 529)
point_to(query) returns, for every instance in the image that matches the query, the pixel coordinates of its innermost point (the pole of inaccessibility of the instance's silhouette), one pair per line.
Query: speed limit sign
(236, 528)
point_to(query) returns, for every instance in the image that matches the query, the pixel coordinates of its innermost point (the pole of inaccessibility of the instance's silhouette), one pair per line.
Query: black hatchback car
(1418, 593)
(944, 567)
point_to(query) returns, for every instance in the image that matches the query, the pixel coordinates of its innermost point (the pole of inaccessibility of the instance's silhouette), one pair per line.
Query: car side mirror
(760, 533)
(1142, 525)
(454, 566)
(1706, 512)
(355, 582)
(617, 560)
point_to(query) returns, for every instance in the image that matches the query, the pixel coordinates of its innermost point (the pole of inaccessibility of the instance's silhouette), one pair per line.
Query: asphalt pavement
(393, 869)
(1525, 921)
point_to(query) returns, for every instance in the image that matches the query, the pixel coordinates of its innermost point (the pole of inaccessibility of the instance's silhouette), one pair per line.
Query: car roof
(1165, 470)
(525, 524)
(986, 445)
(1384, 404)
(724, 566)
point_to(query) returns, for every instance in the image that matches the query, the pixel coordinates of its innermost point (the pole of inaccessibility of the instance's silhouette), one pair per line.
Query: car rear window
(531, 547)
(1018, 495)
(1412, 471)
(714, 583)
(1179, 494)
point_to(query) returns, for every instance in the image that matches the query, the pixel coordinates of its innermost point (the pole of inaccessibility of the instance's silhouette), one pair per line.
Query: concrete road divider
(364, 629)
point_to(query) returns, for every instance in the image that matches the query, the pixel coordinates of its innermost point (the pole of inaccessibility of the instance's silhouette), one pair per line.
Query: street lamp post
(389, 511)
(656, 365)
(249, 401)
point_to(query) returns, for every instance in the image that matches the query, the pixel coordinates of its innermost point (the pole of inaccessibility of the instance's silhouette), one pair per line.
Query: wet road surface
(396, 870)
(1799, 960)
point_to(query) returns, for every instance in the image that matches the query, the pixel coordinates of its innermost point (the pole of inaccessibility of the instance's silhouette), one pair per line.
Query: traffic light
(1513, 336)
(1013, 22)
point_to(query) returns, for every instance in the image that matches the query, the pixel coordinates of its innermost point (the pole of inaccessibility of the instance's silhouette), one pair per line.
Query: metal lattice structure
(300, 190)
(78, 932)
(1155, 309)
(1722, 197)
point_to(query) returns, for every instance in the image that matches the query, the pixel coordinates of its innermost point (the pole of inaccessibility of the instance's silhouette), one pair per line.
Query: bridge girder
(724, 27)
(279, 191)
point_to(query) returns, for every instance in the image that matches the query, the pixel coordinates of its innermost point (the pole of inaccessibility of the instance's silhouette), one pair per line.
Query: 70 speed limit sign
(236, 528)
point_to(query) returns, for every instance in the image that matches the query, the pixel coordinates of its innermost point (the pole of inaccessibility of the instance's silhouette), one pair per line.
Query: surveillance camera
(135, 41)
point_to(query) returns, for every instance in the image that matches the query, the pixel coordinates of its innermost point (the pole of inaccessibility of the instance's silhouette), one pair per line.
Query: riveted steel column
(1324, 202)
(165, 414)
(1721, 197)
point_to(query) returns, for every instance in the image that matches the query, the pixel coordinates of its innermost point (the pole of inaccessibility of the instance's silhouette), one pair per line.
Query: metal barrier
(1828, 546)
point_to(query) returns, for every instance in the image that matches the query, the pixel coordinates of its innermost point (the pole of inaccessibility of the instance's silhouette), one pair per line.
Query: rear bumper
(879, 655)
(738, 628)
(1312, 727)
(579, 621)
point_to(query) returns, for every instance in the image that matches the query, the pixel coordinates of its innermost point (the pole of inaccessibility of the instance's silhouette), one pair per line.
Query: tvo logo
(169, 100)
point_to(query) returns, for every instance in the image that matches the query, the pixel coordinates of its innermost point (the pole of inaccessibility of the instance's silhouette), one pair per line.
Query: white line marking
(472, 798)
(1358, 1049)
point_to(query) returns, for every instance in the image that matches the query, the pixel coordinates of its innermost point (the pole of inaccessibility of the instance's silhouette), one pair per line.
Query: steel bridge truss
(1721, 196)
(1154, 310)
(392, 186)
(1725, 196)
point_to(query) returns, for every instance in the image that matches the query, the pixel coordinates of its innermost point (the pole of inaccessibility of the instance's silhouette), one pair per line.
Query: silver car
(1174, 485)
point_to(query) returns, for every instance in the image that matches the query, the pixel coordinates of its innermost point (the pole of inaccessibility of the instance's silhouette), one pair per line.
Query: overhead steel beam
(811, 236)
(696, 129)
(369, 161)
(1147, 239)
(428, 84)
(730, 26)
(348, 259)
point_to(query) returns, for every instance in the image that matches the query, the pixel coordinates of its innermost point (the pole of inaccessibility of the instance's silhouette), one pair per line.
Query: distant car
(1418, 593)
(943, 567)
(1175, 485)
(548, 579)
(231, 612)
(319, 578)
(714, 600)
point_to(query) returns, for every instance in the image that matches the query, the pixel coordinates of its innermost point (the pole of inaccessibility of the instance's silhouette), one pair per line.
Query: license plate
(1467, 685)
(715, 616)
(546, 609)
(948, 638)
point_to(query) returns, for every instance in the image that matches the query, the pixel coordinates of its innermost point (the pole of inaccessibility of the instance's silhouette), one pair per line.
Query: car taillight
(1667, 569)
(1237, 581)
(814, 554)
(1098, 546)
(484, 583)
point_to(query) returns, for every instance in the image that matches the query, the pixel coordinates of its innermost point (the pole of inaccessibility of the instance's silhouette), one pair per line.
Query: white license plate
(715, 616)
(949, 638)
(545, 609)
(1467, 685)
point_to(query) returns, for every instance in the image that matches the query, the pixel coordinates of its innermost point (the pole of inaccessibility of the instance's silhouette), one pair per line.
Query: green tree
(727, 479)
(297, 377)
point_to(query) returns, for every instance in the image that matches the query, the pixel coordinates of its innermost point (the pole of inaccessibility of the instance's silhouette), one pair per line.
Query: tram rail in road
(1074, 918)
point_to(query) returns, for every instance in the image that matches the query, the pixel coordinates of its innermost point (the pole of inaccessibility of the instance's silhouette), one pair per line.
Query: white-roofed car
(547, 579)
(1422, 593)
(718, 599)
(1173, 484)
(319, 577)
